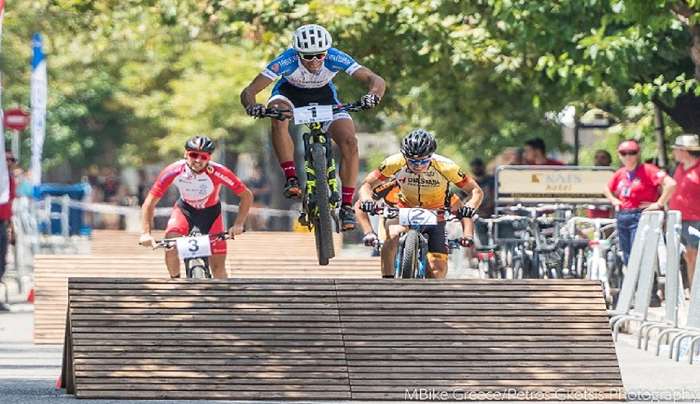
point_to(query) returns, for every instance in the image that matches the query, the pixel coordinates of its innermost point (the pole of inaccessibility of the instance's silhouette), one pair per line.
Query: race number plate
(417, 217)
(193, 247)
(313, 113)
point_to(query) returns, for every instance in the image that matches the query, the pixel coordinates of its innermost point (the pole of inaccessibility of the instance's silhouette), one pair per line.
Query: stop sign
(16, 118)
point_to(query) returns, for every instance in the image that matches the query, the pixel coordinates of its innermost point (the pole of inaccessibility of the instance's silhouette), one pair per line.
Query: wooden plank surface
(335, 339)
(120, 257)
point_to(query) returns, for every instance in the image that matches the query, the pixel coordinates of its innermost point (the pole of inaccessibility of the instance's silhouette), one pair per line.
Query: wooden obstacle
(282, 339)
(51, 273)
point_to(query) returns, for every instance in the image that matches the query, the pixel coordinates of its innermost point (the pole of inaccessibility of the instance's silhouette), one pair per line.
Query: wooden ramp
(314, 339)
(51, 273)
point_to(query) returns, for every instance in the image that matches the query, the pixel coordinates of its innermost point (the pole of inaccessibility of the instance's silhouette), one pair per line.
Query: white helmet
(311, 38)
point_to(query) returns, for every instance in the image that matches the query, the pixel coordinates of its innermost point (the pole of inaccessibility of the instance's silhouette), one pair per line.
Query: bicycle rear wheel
(410, 256)
(322, 220)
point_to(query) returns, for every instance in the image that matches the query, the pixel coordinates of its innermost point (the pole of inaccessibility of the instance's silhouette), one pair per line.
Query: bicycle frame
(310, 208)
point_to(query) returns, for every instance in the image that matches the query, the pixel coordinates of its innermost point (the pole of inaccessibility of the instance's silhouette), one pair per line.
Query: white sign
(417, 217)
(193, 247)
(314, 113)
(552, 184)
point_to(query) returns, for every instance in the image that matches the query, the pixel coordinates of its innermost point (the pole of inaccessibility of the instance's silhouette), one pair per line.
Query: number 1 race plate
(193, 247)
(314, 113)
(417, 217)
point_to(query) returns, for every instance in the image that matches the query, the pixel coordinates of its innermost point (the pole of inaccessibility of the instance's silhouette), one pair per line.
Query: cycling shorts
(208, 220)
(302, 97)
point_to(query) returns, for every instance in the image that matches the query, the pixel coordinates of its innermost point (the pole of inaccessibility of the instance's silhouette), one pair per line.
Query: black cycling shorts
(301, 97)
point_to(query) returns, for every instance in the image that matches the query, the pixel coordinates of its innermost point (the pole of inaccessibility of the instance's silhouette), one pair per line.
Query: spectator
(686, 151)
(110, 185)
(634, 188)
(487, 184)
(602, 158)
(24, 183)
(6, 215)
(510, 156)
(535, 154)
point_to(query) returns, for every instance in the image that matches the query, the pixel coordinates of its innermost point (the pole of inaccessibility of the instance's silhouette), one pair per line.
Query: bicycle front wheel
(321, 219)
(411, 255)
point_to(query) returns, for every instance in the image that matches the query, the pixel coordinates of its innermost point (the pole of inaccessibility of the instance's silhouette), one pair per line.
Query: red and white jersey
(199, 190)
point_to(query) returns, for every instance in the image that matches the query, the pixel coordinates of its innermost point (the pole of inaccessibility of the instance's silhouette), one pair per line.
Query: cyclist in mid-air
(199, 181)
(424, 179)
(305, 72)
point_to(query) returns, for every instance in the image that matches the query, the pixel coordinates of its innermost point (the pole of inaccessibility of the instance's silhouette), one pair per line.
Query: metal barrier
(692, 326)
(18, 277)
(639, 278)
(645, 259)
(673, 290)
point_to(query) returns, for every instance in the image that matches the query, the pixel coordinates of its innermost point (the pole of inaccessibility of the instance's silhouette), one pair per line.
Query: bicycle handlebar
(283, 114)
(391, 212)
(171, 242)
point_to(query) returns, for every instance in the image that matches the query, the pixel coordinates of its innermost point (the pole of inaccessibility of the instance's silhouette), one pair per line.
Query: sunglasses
(312, 56)
(632, 153)
(419, 162)
(200, 156)
(11, 160)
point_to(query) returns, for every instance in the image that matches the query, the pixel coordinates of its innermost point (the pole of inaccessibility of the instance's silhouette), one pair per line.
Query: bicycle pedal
(303, 219)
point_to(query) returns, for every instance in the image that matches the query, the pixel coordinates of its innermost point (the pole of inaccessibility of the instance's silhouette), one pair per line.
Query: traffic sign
(16, 119)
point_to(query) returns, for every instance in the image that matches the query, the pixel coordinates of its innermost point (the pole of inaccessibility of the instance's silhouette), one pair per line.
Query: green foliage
(133, 78)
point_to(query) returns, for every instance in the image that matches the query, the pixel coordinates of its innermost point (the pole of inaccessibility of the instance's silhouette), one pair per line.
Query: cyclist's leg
(285, 96)
(343, 132)
(217, 261)
(178, 226)
(388, 252)
(281, 141)
(437, 251)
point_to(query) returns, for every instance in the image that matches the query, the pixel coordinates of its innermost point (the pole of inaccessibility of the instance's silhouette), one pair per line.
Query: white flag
(38, 122)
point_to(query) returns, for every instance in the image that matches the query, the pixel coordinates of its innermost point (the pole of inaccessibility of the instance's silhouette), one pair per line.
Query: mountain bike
(195, 250)
(412, 255)
(321, 192)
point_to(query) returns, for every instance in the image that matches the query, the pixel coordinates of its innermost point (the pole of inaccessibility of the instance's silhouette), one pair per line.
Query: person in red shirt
(535, 154)
(686, 151)
(199, 181)
(6, 214)
(633, 188)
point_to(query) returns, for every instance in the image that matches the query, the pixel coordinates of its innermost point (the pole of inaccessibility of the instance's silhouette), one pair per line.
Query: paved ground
(28, 372)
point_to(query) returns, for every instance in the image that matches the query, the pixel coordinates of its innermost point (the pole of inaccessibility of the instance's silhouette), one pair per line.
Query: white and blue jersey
(289, 68)
(299, 87)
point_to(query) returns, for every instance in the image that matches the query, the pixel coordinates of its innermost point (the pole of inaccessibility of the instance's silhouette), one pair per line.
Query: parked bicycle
(502, 247)
(195, 250)
(601, 259)
(321, 194)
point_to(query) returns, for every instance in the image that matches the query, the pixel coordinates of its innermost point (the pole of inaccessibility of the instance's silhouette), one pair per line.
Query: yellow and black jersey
(429, 189)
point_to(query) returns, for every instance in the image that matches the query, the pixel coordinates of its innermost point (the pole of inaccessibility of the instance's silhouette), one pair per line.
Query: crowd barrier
(635, 296)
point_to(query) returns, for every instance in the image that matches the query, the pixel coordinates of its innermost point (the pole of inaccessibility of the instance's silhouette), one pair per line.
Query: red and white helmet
(311, 38)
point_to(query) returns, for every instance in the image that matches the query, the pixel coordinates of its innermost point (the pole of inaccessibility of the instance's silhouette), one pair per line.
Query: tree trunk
(685, 14)
(695, 49)
(685, 112)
